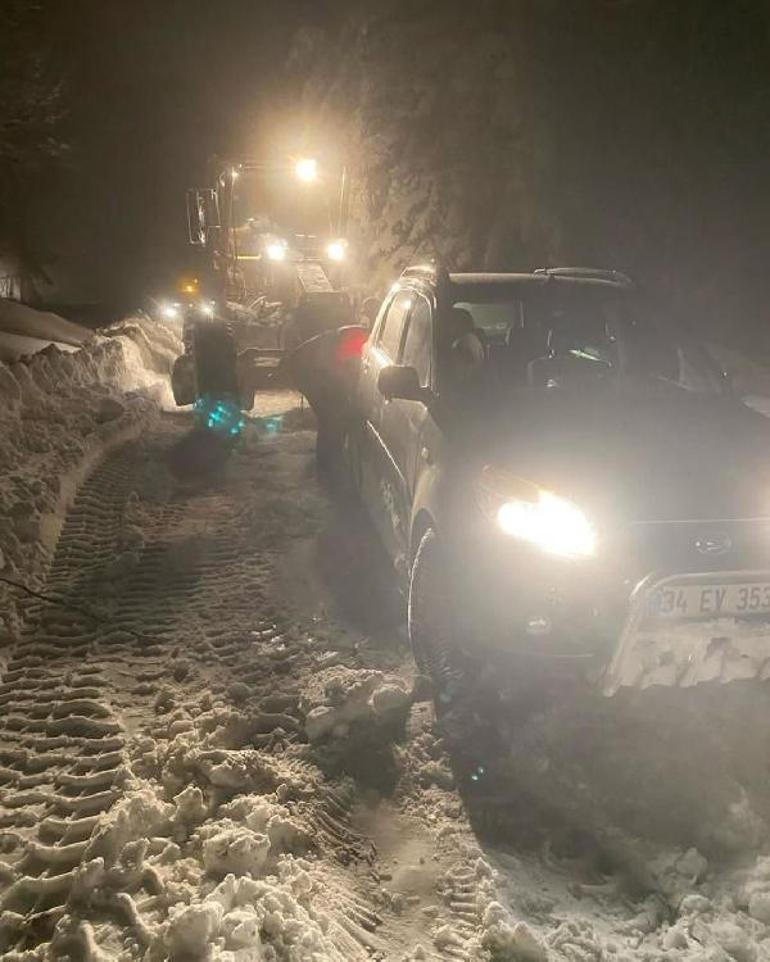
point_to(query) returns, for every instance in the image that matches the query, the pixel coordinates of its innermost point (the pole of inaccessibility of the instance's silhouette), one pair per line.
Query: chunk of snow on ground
(235, 849)
(339, 696)
(248, 919)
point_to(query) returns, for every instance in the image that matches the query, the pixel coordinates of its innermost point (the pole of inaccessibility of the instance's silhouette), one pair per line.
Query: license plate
(709, 601)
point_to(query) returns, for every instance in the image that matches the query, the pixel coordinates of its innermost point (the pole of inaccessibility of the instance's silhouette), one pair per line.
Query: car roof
(476, 279)
(497, 286)
(496, 278)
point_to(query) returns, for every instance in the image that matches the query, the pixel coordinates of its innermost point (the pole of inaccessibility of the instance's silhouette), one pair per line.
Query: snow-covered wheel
(433, 628)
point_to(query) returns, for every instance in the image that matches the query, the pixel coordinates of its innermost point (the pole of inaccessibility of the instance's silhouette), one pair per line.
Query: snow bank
(59, 414)
(16, 318)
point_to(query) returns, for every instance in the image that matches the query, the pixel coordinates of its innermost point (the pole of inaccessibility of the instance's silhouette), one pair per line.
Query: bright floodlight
(170, 311)
(306, 169)
(207, 309)
(553, 524)
(276, 250)
(336, 250)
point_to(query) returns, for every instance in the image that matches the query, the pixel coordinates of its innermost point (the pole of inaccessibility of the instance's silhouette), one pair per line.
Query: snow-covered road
(168, 784)
(210, 749)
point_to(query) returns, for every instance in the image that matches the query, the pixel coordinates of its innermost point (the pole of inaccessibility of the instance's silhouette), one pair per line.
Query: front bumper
(687, 651)
(594, 617)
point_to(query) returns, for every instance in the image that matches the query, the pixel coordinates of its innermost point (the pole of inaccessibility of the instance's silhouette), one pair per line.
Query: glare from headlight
(335, 251)
(206, 308)
(170, 311)
(276, 251)
(551, 523)
(306, 169)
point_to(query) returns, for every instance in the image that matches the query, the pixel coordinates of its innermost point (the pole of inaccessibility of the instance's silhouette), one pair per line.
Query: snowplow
(271, 274)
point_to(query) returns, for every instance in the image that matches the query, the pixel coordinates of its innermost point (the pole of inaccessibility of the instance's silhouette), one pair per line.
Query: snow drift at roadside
(59, 412)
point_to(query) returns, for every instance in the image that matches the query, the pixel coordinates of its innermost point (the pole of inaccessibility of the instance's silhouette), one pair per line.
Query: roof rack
(617, 277)
(430, 271)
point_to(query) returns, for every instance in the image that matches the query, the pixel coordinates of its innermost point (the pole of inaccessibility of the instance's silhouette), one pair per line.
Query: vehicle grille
(691, 546)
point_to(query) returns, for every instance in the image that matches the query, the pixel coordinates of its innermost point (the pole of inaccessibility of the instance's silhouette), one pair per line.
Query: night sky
(647, 124)
(154, 88)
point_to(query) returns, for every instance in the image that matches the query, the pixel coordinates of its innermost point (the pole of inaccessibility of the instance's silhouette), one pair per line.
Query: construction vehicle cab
(272, 263)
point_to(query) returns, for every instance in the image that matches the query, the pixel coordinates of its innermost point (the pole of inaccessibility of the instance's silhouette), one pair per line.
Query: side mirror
(202, 214)
(400, 381)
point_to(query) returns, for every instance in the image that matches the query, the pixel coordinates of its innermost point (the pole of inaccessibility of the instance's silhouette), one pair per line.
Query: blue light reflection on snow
(220, 415)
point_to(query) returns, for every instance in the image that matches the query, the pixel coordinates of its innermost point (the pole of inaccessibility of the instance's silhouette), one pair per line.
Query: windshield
(268, 201)
(574, 335)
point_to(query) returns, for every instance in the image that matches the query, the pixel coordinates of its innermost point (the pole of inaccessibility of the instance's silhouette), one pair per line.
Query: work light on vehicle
(276, 250)
(336, 250)
(306, 169)
(170, 311)
(532, 514)
(207, 308)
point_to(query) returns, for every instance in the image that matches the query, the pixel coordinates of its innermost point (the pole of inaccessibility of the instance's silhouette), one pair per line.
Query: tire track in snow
(61, 746)
(78, 695)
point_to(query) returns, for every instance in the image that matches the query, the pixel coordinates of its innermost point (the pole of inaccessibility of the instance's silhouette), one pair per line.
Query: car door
(402, 423)
(375, 479)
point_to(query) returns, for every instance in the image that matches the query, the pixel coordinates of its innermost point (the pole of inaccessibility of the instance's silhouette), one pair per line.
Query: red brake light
(351, 343)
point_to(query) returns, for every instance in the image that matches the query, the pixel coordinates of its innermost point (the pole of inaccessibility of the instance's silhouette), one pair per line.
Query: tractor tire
(183, 380)
(215, 360)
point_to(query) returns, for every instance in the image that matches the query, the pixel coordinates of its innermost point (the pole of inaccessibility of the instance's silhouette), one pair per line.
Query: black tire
(215, 359)
(433, 627)
(183, 380)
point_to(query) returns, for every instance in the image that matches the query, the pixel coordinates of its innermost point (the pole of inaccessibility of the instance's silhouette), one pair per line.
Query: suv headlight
(530, 513)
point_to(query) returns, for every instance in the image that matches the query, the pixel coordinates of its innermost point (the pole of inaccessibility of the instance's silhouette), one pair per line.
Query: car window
(581, 329)
(392, 327)
(418, 341)
(495, 319)
(580, 334)
(653, 356)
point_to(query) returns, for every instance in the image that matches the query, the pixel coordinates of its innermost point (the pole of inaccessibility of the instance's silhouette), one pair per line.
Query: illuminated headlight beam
(336, 250)
(306, 169)
(551, 523)
(276, 251)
